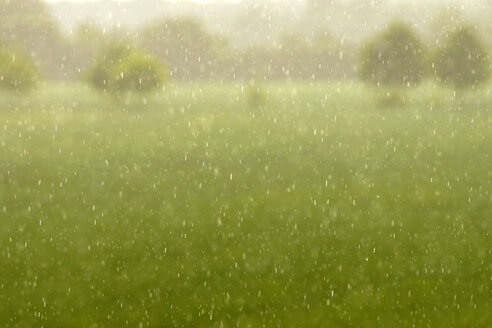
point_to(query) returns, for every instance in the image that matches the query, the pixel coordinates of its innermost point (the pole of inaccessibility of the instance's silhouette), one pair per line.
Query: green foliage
(394, 57)
(462, 61)
(138, 72)
(18, 72)
(99, 75)
(122, 68)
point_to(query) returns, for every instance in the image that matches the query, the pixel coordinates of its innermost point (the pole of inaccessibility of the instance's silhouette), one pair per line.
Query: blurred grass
(193, 208)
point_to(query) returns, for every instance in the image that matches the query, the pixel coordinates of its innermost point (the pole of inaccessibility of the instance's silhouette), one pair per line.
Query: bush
(121, 68)
(18, 72)
(99, 75)
(138, 72)
(395, 57)
(462, 61)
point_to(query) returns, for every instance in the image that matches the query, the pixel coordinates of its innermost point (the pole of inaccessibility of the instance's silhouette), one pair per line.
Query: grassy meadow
(302, 205)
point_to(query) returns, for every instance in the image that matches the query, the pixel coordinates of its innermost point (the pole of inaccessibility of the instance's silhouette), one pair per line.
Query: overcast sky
(202, 1)
(209, 1)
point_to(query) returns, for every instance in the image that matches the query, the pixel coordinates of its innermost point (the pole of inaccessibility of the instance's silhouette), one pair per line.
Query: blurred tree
(122, 68)
(394, 57)
(462, 60)
(138, 72)
(99, 75)
(188, 48)
(18, 72)
(29, 25)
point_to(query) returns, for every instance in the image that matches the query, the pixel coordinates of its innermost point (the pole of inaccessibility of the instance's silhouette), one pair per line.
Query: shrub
(462, 61)
(394, 57)
(18, 72)
(138, 72)
(99, 75)
(121, 68)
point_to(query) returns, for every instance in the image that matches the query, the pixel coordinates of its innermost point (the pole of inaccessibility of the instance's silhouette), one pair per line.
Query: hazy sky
(209, 1)
(202, 1)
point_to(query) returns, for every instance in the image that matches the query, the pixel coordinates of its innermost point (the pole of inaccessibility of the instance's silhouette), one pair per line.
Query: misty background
(224, 40)
(245, 163)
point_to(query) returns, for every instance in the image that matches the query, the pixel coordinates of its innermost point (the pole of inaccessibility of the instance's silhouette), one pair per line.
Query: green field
(314, 205)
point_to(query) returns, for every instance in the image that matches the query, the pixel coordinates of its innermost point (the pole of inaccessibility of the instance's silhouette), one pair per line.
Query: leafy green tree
(18, 72)
(393, 58)
(99, 75)
(463, 60)
(122, 68)
(138, 72)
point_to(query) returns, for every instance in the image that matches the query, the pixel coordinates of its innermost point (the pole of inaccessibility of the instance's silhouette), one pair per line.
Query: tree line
(32, 47)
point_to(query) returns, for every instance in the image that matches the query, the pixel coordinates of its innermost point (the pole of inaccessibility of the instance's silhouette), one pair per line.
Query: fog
(250, 33)
(245, 163)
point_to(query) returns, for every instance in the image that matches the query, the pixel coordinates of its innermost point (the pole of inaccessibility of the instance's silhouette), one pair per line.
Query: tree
(99, 75)
(138, 72)
(18, 72)
(394, 57)
(122, 68)
(462, 61)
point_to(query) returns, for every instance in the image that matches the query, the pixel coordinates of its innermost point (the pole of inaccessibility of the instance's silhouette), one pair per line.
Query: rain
(245, 163)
